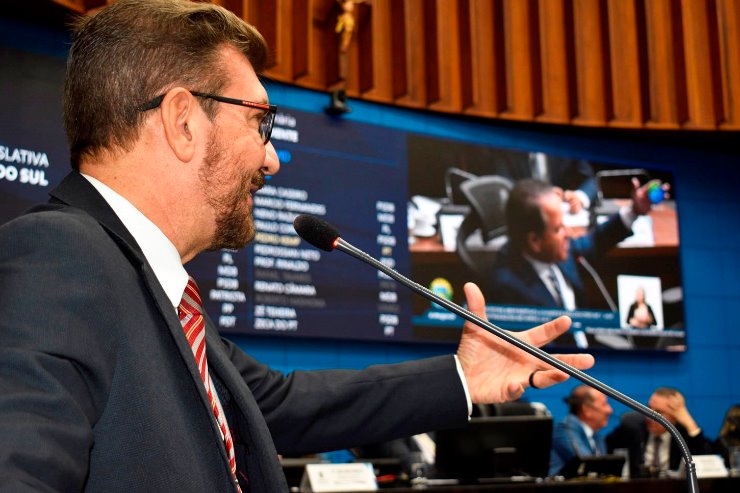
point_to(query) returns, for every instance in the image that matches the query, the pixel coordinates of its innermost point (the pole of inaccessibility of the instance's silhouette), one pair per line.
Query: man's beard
(234, 221)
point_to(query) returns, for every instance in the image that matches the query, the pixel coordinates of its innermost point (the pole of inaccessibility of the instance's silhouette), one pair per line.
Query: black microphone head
(316, 231)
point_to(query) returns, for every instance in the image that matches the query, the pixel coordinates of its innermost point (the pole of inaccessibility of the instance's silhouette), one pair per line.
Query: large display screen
(621, 287)
(431, 208)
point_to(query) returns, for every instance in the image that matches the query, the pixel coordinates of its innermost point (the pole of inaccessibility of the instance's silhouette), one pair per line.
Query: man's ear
(178, 113)
(534, 242)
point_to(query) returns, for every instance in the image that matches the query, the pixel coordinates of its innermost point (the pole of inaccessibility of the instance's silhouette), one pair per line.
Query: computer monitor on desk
(496, 447)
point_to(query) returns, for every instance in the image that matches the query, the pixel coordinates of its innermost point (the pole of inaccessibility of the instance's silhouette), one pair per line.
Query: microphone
(317, 232)
(324, 236)
(597, 279)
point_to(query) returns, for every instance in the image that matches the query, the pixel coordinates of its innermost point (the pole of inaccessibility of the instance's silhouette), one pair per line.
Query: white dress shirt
(590, 436)
(543, 270)
(159, 251)
(663, 442)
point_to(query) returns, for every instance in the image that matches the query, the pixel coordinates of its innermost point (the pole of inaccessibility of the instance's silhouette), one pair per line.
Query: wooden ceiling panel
(664, 64)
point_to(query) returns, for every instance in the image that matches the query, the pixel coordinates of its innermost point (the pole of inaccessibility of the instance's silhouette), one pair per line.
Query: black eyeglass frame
(266, 124)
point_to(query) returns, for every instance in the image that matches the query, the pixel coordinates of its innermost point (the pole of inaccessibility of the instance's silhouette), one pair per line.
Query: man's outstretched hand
(495, 370)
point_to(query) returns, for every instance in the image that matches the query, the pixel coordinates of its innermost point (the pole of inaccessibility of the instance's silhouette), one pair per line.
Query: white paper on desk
(710, 466)
(326, 478)
(642, 234)
(449, 224)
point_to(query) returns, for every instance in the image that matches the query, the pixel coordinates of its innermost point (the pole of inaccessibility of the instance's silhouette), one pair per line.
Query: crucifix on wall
(345, 28)
(346, 22)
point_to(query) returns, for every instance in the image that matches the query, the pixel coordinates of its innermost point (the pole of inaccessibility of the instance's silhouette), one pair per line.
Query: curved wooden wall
(662, 64)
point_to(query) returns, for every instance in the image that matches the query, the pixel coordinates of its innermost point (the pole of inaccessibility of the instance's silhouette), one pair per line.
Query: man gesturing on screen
(539, 264)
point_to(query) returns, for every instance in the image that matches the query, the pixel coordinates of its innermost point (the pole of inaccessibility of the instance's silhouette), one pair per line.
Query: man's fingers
(546, 378)
(475, 300)
(548, 332)
(579, 361)
(538, 336)
(514, 391)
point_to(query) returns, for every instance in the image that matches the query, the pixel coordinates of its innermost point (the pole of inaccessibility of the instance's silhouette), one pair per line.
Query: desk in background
(715, 485)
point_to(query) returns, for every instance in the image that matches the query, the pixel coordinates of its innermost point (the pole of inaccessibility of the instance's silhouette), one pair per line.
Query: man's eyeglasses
(265, 128)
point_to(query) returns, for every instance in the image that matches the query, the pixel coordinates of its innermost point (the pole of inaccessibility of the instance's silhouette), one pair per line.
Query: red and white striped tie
(194, 325)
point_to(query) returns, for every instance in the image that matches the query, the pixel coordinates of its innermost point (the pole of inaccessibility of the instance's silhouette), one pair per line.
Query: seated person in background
(729, 434)
(577, 434)
(640, 314)
(538, 265)
(652, 450)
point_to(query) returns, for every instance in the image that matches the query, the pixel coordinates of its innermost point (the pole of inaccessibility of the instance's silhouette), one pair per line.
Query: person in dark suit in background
(538, 264)
(111, 376)
(652, 451)
(577, 434)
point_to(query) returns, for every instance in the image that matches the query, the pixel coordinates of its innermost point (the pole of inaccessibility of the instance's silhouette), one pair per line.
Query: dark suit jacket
(513, 280)
(632, 434)
(99, 390)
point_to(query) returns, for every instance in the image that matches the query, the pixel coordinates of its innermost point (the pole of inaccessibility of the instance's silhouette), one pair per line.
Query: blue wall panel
(707, 313)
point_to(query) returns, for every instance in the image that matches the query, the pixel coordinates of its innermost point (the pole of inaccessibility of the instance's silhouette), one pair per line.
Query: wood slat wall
(663, 64)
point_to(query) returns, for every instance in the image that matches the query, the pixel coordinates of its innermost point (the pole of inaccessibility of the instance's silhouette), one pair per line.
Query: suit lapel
(581, 443)
(77, 192)
(263, 466)
(537, 290)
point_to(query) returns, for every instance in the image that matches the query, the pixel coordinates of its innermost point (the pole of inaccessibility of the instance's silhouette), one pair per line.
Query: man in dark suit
(651, 448)
(538, 265)
(111, 377)
(577, 434)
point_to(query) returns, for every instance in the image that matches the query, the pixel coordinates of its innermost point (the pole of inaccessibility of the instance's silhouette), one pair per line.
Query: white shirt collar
(158, 249)
(541, 268)
(587, 429)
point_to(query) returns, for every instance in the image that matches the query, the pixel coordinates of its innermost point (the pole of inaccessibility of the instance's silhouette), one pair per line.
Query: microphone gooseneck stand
(693, 484)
